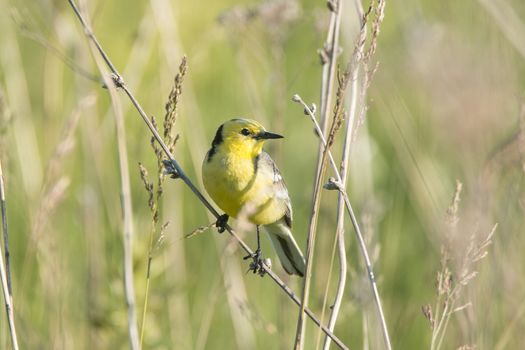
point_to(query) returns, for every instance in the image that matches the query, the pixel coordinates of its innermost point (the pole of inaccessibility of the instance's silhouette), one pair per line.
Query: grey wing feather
(279, 187)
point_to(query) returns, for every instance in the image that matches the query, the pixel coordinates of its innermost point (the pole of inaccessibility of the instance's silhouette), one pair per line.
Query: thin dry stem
(340, 237)
(328, 59)
(351, 73)
(200, 229)
(128, 221)
(328, 56)
(337, 121)
(299, 337)
(368, 263)
(4, 269)
(5, 231)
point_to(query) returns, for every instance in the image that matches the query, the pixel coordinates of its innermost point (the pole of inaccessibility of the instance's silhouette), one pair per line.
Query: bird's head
(243, 136)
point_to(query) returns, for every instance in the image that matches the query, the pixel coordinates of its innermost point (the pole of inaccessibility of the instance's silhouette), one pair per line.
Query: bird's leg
(257, 254)
(169, 169)
(221, 223)
(257, 264)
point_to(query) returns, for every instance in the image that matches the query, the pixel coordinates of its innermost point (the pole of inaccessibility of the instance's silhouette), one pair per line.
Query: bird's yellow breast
(233, 182)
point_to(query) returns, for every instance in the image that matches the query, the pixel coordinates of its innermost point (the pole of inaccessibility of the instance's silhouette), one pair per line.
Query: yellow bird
(239, 175)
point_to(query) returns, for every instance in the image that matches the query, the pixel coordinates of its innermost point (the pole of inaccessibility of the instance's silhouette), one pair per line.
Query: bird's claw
(221, 223)
(170, 169)
(257, 264)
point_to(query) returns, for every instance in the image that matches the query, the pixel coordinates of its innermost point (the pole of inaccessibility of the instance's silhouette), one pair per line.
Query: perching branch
(119, 83)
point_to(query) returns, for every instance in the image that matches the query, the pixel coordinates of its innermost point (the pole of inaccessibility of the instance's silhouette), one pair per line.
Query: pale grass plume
(458, 269)
(49, 259)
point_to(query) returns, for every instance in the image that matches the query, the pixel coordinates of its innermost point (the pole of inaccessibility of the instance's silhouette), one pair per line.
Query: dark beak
(265, 135)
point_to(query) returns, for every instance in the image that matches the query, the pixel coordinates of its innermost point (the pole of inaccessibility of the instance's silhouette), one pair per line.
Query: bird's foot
(170, 169)
(257, 263)
(221, 223)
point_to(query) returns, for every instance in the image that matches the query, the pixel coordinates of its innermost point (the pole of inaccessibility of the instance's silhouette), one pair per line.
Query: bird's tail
(287, 249)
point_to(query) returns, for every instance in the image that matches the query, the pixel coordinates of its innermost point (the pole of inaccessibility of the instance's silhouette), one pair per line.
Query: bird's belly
(269, 212)
(238, 190)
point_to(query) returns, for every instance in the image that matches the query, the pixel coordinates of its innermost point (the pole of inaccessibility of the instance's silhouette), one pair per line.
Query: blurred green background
(445, 104)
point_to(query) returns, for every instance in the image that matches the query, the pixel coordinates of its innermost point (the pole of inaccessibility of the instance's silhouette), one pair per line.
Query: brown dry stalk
(172, 104)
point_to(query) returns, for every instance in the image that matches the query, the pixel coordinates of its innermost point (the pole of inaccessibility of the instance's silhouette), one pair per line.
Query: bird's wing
(279, 190)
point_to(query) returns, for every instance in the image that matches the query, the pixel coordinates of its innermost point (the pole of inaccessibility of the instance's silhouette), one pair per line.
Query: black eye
(245, 132)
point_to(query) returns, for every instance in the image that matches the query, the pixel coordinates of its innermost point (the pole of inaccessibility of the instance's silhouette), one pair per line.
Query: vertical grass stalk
(4, 269)
(329, 58)
(125, 187)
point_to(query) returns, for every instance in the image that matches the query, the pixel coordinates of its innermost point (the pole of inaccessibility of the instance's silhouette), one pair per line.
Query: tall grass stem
(4, 270)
